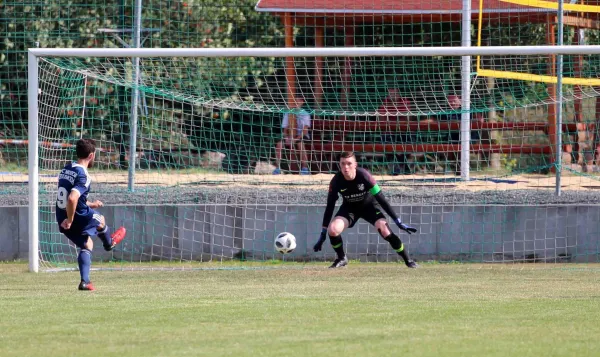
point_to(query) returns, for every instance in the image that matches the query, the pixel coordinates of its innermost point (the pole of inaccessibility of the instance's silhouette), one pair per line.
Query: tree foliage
(227, 23)
(175, 24)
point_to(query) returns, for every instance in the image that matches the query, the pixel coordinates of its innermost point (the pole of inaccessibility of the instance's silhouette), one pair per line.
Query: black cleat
(338, 263)
(411, 264)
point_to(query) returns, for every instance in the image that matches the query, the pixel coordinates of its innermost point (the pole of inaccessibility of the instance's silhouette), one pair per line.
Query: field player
(76, 216)
(362, 198)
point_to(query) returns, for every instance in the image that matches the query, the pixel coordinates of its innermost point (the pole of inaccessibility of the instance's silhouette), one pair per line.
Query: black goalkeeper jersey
(362, 192)
(357, 192)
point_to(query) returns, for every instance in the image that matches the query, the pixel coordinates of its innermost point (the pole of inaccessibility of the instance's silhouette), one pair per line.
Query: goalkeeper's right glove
(408, 229)
(319, 245)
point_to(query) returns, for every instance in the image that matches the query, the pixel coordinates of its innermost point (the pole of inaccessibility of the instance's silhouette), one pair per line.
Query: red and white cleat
(118, 236)
(86, 286)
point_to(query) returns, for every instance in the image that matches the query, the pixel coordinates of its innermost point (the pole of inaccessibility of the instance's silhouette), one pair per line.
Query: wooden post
(347, 73)
(319, 42)
(577, 65)
(290, 76)
(596, 135)
(495, 136)
(290, 71)
(320, 160)
(581, 134)
(551, 39)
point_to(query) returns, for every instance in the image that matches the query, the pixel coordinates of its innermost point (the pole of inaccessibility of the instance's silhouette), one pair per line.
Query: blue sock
(104, 236)
(84, 260)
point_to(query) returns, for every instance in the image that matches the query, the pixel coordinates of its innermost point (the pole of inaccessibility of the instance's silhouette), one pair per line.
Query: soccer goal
(193, 161)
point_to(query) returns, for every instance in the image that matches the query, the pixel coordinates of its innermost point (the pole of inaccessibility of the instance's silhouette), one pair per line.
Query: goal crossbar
(319, 52)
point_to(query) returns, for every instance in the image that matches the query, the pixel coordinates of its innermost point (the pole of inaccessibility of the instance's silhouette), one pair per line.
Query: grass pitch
(364, 310)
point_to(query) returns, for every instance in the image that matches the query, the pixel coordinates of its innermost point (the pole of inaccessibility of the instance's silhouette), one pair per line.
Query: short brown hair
(347, 155)
(84, 148)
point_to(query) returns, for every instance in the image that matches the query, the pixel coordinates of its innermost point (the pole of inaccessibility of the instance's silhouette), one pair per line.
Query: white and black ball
(285, 242)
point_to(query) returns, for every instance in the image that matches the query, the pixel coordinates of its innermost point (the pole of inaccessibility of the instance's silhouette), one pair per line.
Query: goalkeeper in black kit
(362, 198)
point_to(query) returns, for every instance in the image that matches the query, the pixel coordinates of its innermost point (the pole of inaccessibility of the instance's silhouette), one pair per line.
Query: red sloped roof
(388, 7)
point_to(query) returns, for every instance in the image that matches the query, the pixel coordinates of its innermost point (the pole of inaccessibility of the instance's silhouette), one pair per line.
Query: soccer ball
(285, 243)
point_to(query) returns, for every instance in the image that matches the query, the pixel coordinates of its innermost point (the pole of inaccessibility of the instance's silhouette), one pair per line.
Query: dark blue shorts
(83, 226)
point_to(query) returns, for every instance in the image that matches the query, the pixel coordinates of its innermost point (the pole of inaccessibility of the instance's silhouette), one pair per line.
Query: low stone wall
(214, 232)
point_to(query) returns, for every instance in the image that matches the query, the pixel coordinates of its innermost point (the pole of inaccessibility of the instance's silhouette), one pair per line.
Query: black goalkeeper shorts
(370, 212)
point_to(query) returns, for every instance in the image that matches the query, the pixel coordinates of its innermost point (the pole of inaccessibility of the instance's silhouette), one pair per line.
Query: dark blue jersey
(73, 177)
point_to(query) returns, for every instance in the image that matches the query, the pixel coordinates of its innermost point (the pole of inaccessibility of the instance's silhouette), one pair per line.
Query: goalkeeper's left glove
(408, 229)
(319, 245)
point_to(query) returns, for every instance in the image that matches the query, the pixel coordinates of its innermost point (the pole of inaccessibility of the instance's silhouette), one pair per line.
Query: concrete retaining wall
(205, 232)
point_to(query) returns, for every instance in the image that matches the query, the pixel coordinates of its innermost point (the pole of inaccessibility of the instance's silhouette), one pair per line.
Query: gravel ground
(17, 195)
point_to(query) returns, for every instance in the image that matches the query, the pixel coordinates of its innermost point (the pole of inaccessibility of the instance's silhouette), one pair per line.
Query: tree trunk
(492, 118)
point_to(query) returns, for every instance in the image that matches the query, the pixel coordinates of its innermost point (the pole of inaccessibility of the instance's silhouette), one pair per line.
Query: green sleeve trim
(375, 189)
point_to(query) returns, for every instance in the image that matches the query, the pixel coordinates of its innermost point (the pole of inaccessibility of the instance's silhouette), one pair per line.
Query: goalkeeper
(362, 198)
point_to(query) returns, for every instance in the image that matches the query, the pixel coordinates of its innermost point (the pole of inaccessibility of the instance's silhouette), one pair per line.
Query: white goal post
(34, 89)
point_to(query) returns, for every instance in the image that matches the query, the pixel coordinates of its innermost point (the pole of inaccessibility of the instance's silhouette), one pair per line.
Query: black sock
(338, 245)
(398, 246)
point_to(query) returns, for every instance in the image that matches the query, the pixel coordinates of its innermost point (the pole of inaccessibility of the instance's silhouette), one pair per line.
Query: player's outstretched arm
(383, 202)
(332, 198)
(95, 204)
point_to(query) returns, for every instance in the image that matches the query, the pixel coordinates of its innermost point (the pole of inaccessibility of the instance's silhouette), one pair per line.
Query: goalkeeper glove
(408, 229)
(319, 245)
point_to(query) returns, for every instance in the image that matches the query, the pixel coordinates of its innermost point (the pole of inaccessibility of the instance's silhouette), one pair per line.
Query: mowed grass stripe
(364, 310)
